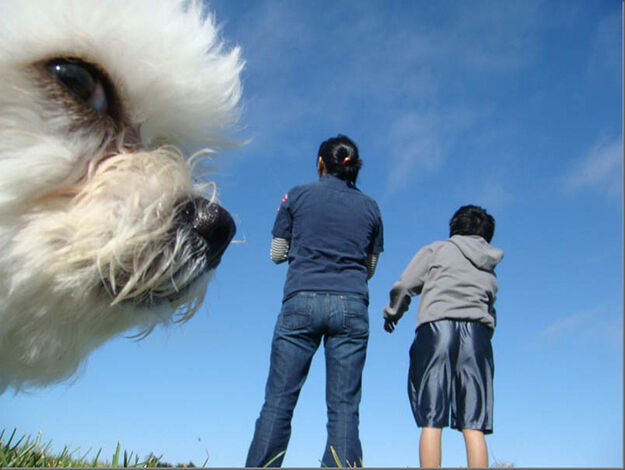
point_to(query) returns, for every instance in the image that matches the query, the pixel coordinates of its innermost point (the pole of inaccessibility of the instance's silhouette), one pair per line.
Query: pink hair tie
(347, 159)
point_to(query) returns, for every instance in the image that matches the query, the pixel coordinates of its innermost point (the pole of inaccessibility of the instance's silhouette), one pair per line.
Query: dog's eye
(83, 80)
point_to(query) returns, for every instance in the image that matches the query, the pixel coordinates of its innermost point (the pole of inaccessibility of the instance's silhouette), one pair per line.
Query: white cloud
(600, 169)
(387, 71)
(421, 141)
(416, 145)
(565, 325)
(598, 325)
(495, 36)
(606, 56)
(494, 195)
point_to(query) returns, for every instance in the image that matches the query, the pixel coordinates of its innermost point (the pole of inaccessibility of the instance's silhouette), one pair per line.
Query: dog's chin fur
(89, 247)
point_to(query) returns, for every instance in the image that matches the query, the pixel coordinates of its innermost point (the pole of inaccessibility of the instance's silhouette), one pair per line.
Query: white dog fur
(90, 187)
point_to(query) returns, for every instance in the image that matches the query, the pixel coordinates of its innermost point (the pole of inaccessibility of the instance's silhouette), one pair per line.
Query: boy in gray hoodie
(451, 359)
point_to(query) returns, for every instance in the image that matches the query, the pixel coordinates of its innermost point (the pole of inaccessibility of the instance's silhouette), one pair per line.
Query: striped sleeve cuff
(279, 249)
(372, 262)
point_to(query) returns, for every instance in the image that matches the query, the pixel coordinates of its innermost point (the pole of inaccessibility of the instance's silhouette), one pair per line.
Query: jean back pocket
(355, 314)
(297, 311)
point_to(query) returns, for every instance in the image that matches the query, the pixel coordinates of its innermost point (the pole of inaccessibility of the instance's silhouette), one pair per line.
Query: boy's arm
(398, 303)
(410, 284)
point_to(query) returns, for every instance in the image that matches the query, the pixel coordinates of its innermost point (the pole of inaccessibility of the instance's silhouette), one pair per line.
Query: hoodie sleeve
(410, 284)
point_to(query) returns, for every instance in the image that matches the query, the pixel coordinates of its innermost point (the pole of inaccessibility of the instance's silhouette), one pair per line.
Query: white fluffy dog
(102, 228)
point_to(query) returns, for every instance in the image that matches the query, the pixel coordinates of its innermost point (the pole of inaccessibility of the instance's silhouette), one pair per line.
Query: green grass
(338, 463)
(28, 452)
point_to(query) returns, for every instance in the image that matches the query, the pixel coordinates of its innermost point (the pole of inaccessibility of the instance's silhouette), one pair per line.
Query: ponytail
(340, 157)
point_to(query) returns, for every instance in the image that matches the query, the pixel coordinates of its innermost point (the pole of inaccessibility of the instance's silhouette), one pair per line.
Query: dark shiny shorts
(451, 366)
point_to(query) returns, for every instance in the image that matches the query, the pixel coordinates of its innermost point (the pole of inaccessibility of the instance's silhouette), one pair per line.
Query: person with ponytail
(331, 234)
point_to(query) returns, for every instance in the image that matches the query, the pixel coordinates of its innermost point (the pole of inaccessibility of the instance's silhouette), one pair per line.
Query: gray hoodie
(456, 280)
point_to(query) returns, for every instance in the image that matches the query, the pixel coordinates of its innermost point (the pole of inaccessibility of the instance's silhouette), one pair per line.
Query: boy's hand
(389, 325)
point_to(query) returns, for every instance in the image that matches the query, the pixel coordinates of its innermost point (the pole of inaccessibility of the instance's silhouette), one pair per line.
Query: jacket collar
(335, 182)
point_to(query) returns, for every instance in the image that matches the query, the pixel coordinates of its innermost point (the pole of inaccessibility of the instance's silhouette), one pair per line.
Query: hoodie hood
(478, 251)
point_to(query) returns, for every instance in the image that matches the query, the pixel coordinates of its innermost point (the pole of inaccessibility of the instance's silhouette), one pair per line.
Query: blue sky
(513, 105)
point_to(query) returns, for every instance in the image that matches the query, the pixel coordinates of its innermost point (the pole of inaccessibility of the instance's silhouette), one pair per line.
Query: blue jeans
(307, 317)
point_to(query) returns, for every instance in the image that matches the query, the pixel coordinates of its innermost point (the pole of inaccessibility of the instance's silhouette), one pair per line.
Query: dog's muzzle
(201, 232)
(210, 224)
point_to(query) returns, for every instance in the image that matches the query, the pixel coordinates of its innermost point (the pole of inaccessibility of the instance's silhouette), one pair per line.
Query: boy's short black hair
(472, 220)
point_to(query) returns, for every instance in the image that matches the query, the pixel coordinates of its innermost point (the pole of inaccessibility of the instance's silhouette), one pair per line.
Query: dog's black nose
(212, 223)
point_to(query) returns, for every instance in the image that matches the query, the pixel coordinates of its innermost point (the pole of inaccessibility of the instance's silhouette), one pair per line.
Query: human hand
(389, 325)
